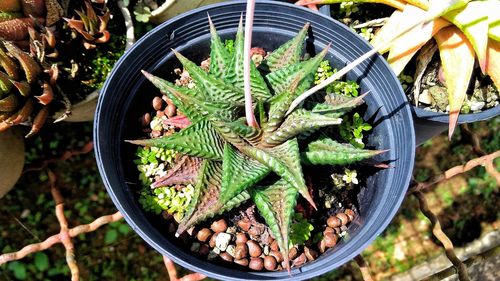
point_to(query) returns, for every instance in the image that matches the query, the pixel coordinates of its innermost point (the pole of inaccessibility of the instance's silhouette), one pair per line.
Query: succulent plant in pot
(117, 120)
(227, 160)
(464, 34)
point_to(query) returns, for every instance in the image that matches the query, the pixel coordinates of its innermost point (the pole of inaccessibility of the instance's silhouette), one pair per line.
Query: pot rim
(443, 117)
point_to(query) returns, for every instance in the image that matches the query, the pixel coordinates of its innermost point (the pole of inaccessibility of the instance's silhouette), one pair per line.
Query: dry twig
(442, 237)
(55, 239)
(364, 268)
(63, 223)
(172, 272)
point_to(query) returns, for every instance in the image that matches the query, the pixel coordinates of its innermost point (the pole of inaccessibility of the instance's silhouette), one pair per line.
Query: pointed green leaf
(337, 104)
(239, 172)
(178, 95)
(234, 72)
(284, 160)
(204, 203)
(198, 140)
(329, 152)
(298, 122)
(276, 204)
(288, 53)
(288, 78)
(219, 56)
(213, 88)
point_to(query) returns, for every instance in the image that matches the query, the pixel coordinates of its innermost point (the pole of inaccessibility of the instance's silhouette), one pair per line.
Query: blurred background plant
(463, 33)
(54, 56)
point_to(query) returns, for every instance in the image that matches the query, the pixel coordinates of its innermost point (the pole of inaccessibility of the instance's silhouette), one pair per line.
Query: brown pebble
(203, 235)
(333, 222)
(244, 224)
(275, 246)
(328, 230)
(219, 226)
(256, 264)
(270, 263)
(277, 255)
(300, 260)
(155, 133)
(146, 119)
(254, 249)
(171, 110)
(350, 213)
(241, 238)
(322, 246)
(337, 230)
(160, 114)
(330, 240)
(255, 231)
(310, 254)
(241, 251)
(226, 256)
(211, 243)
(243, 262)
(157, 103)
(343, 217)
(204, 250)
(292, 253)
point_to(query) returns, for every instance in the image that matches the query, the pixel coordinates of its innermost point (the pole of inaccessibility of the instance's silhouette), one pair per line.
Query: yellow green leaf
(387, 32)
(493, 63)
(398, 4)
(473, 21)
(492, 8)
(405, 47)
(422, 4)
(457, 60)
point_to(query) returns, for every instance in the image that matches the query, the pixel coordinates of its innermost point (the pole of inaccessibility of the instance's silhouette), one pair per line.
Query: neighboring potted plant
(453, 83)
(54, 57)
(127, 96)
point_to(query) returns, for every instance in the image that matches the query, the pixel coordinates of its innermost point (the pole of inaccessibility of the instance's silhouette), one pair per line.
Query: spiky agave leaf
(219, 56)
(276, 203)
(326, 151)
(288, 53)
(198, 140)
(234, 71)
(337, 105)
(457, 60)
(205, 201)
(184, 172)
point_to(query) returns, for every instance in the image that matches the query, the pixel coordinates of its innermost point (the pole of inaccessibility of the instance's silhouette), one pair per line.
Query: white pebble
(222, 241)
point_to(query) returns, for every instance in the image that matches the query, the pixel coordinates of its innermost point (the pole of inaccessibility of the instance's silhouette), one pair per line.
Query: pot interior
(127, 95)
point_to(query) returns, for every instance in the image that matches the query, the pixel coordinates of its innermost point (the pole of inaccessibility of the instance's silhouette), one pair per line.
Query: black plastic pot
(429, 124)
(126, 95)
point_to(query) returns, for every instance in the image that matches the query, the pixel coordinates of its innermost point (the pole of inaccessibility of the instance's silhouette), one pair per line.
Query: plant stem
(249, 114)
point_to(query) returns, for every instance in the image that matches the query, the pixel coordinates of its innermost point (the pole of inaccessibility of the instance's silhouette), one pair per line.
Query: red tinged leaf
(15, 29)
(457, 60)
(39, 121)
(47, 95)
(35, 8)
(179, 121)
(184, 172)
(22, 115)
(31, 68)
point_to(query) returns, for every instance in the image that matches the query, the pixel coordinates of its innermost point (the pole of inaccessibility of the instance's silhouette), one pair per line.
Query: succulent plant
(91, 26)
(463, 30)
(30, 61)
(229, 162)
